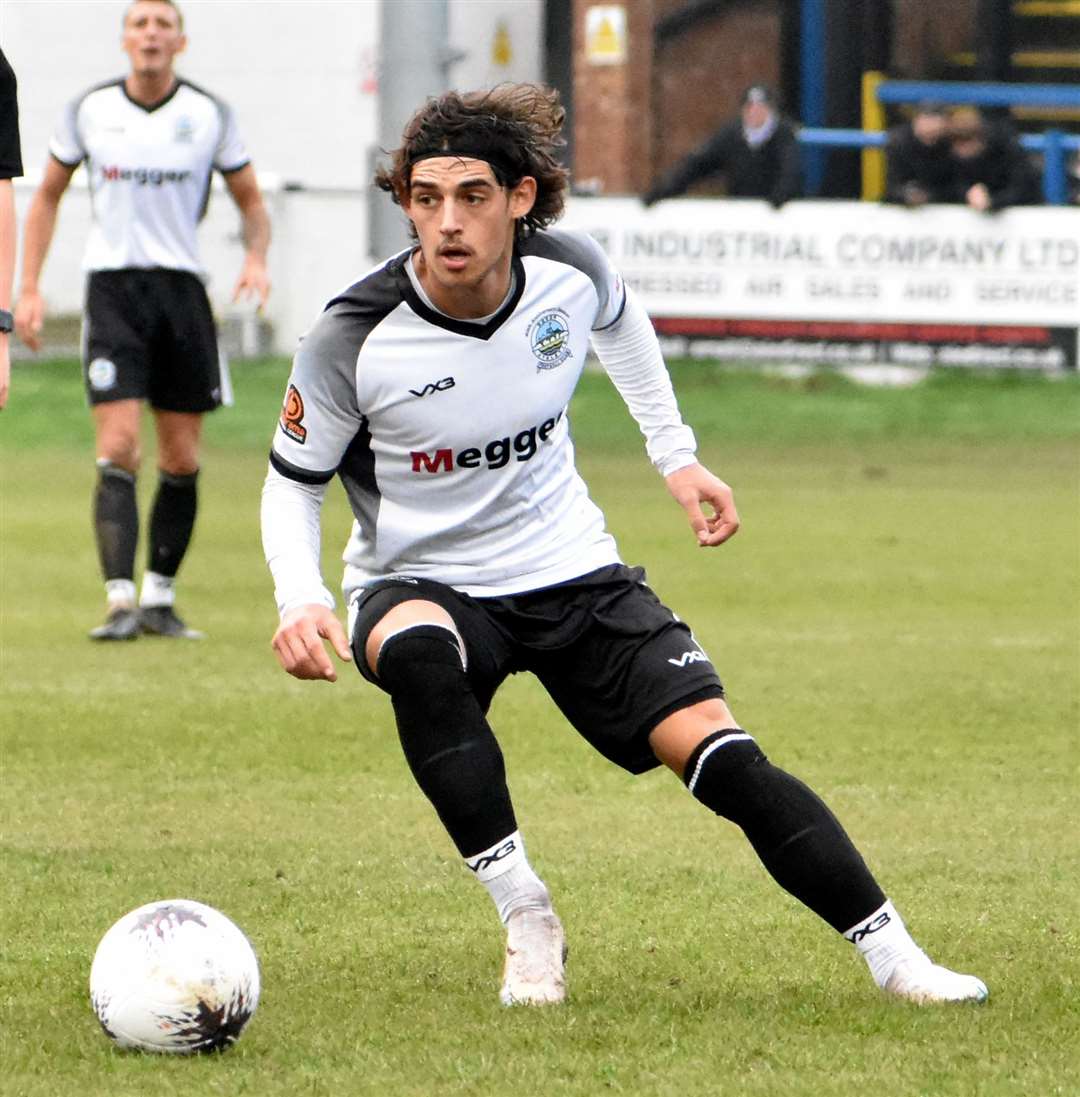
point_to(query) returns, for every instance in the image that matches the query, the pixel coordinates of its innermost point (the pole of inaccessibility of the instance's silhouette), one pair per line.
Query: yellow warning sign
(605, 34)
(502, 51)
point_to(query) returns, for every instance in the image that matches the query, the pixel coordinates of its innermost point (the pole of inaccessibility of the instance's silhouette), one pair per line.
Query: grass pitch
(897, 622)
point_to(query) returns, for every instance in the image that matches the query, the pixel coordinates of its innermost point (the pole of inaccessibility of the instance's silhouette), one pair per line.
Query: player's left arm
(254, 280)
(694, 489)
(629, 351)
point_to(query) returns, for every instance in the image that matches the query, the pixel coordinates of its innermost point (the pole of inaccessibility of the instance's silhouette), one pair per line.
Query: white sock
(120, 594)
(509, 878)
(884, 941)
(157, 590)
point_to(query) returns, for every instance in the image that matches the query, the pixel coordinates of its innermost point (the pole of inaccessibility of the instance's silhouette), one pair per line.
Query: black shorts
(149, 335)
(611, 655)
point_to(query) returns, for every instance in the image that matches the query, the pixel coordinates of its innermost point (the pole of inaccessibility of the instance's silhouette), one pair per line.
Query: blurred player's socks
(884, 941)
(509, 878)
(157, 590)
(116, 530)
(800, 842)
(171, 522)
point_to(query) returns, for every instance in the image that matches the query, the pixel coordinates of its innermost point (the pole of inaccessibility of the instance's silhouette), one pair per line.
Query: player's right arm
(291, 537)
(319, 419)
(40, 224)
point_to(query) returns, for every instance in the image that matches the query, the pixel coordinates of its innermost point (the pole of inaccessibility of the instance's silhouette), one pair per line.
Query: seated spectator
(917, 158)
(757, 154)
(990, 169)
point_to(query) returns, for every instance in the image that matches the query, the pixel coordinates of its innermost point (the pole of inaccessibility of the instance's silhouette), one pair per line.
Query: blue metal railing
(1054, 144)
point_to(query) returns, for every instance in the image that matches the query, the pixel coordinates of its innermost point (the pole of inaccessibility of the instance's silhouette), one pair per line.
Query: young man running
(436, 388)
(150, 142)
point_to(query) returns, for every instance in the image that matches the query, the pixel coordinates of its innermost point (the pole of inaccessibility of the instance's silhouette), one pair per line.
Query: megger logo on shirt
(112, 173)
(495, 454)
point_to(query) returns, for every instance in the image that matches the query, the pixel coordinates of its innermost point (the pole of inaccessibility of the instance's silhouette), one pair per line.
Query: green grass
(897, 622)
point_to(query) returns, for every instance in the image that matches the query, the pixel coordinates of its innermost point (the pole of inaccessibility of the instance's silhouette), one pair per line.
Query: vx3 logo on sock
(880, 922)
(688, 657)
(487, 861)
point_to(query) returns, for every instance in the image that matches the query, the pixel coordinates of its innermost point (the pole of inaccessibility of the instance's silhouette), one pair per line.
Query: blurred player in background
(437, 388)
(150, 142)
(756, 154)
(10, 167)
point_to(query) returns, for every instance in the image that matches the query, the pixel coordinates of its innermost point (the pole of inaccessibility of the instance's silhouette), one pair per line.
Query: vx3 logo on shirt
(434, 386)
(689, 657)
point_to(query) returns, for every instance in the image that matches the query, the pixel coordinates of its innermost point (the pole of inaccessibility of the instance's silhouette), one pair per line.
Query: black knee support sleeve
(116, 520)
(171, 522)
(798, 839)
(448, 744)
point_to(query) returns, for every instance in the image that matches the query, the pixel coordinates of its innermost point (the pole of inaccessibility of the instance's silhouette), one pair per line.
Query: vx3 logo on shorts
(434, 386)
(880, 922)
(487, 861)
(689, 657)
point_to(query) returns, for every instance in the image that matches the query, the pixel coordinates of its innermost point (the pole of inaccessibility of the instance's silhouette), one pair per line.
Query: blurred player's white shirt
(451, 437)
(149, 171)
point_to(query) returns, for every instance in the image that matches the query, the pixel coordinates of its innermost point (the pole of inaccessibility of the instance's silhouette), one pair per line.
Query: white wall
(497, 40)
(302, 77)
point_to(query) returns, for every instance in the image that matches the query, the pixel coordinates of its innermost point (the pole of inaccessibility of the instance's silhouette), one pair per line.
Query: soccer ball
(174, 976)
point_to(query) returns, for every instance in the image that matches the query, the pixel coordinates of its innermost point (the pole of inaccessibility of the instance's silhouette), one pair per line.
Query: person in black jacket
(918, 158)
(757, 154)
(990, 169)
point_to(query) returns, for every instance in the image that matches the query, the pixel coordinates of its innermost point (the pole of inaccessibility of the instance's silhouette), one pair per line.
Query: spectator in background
(918, 162)
(990, 169)
(757, 154)
(10, 166)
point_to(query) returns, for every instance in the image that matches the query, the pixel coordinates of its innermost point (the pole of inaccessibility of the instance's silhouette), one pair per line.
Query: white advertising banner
(849, 282)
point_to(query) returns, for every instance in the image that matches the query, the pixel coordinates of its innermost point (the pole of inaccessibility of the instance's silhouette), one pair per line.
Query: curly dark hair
(516, 128)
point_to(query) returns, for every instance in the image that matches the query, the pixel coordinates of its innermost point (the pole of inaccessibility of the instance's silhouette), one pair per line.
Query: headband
(502, 162)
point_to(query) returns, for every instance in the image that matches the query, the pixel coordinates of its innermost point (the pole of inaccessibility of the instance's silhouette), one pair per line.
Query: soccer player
(436, 388)
(150, 142)
(10, 167)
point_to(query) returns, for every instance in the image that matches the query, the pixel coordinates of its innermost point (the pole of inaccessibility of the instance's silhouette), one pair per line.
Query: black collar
(177, 84)
(440, 319)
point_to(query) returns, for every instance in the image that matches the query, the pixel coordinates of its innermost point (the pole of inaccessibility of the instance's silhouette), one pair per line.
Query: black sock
(171, 522)
(116, 521)
(448, 744)
(799, 840)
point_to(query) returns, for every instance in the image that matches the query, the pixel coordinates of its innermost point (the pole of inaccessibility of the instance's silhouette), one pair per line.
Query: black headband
(503, 165)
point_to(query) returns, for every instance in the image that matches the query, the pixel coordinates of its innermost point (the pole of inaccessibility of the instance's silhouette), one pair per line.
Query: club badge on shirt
(549, 338)
(292, 416)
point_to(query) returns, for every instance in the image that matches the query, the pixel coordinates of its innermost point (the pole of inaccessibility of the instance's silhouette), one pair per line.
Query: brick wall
(634, 121)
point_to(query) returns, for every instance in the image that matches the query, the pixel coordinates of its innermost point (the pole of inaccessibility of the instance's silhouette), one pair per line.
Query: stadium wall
(839, 282)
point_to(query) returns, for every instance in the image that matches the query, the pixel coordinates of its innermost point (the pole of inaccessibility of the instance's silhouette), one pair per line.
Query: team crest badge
(549, 338)
(101, 373)
(292, 416)
(185, 130)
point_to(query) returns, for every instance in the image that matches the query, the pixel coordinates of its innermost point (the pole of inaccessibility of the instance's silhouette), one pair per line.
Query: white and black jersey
(149, 170)
(451, 437)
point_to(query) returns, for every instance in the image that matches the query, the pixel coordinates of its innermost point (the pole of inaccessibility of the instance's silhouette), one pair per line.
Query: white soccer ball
(174, 976)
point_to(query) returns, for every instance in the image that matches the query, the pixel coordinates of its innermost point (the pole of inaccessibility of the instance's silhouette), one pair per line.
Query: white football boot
(928, 983)
(535, 972)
